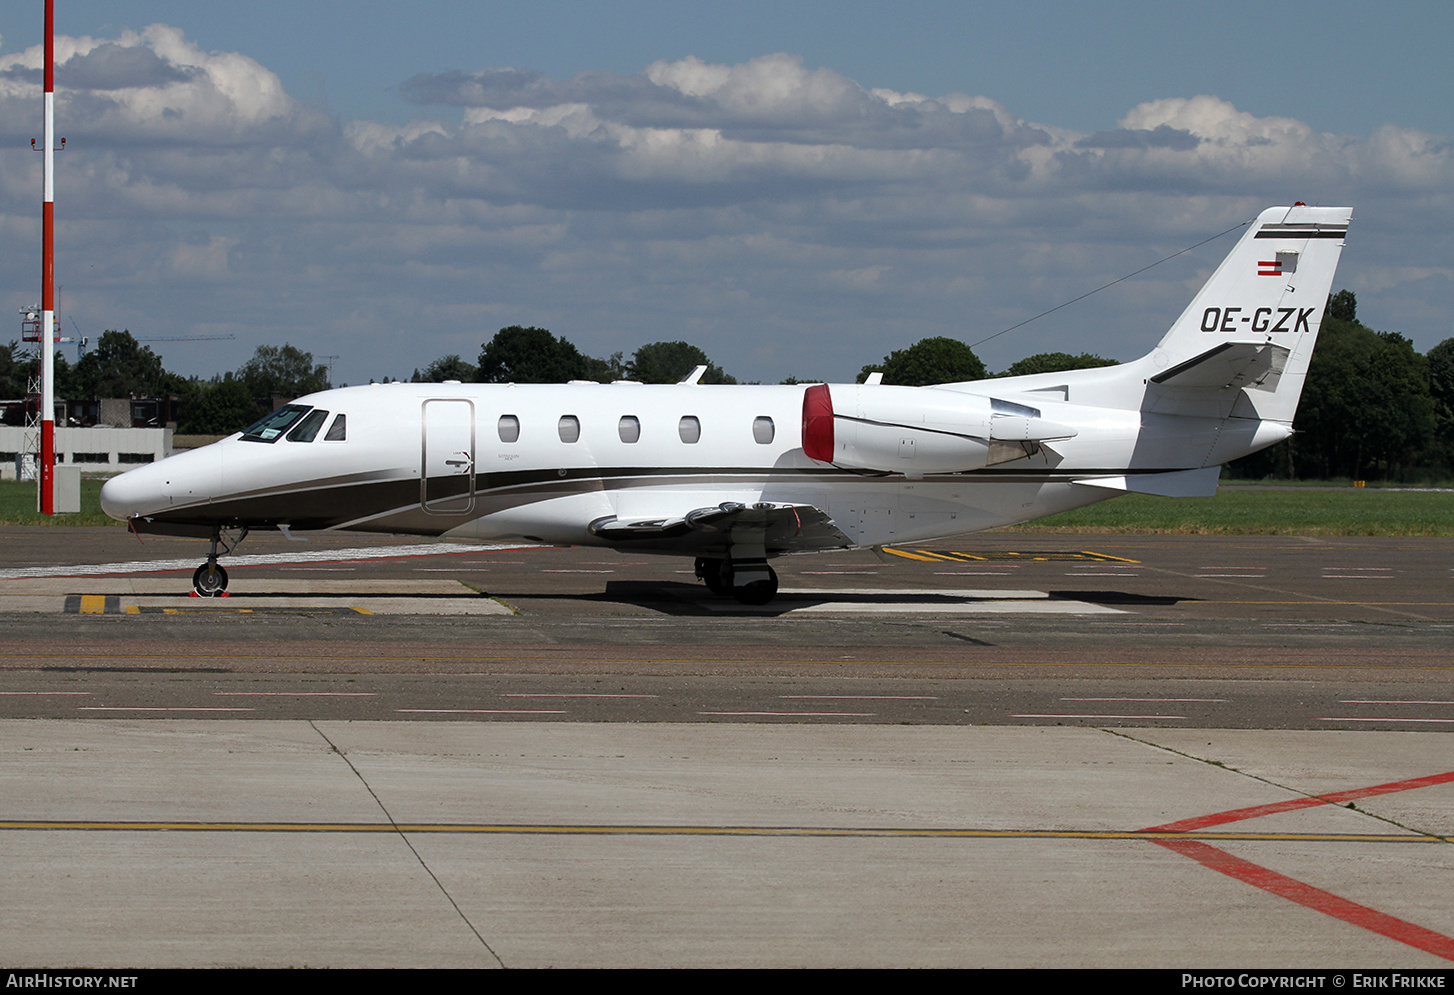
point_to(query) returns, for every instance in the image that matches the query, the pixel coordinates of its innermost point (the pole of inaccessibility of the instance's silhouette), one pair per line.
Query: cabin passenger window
(762, 429)
(569, 428)
(338, 431)
(307, 429)
(509, 428)
(629, 428)
(689, 429)
(270, 428)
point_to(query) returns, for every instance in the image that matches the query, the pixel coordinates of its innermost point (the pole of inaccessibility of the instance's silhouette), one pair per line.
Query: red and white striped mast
(47, 279)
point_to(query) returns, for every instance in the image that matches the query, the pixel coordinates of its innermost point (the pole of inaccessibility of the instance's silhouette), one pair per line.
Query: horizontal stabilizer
(1179, 483)
(1230, 364)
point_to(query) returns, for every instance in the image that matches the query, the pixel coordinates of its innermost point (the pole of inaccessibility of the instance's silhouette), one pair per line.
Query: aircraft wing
(1179, 483)
(779, 528)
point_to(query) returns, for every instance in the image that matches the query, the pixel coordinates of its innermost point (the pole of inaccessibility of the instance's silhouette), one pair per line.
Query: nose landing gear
(210, 579)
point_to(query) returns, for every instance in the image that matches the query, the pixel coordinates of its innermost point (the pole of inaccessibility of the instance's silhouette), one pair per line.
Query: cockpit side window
(307, 429)
(338, 431)
(270, 428)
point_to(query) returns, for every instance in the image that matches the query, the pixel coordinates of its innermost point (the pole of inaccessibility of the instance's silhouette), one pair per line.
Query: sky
(797, 188)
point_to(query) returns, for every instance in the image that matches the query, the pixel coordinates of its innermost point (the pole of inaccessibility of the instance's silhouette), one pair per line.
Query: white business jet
(737, 475)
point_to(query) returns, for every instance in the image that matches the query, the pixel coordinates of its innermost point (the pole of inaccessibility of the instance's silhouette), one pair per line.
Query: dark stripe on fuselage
(353, 503)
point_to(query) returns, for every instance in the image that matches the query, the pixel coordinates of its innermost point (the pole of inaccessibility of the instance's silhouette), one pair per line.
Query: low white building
(102, 449)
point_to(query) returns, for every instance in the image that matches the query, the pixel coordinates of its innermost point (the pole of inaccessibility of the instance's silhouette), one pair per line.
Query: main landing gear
(750, 581)
(210, 579)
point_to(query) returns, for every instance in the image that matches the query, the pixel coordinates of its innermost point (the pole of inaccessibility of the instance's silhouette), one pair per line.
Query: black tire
(717, 579)
(758, 592)
(210, 580)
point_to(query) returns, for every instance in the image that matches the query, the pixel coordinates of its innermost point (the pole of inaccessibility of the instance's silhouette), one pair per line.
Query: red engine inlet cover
(818, 423)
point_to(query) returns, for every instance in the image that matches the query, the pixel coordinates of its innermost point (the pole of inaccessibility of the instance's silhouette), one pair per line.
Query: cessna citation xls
(737, 475)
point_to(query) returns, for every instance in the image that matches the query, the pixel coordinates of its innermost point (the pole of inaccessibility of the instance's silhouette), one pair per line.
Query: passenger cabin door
(447, 475)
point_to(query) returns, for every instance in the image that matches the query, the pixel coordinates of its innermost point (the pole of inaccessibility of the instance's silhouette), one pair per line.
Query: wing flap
(778, 527)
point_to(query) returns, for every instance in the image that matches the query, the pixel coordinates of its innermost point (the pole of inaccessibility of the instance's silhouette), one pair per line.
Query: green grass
(17, 505)
(1252, 510)
(1238, 510)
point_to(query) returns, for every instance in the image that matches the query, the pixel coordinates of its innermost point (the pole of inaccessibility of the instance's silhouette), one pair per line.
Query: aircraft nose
(132, 493)
(183, 480)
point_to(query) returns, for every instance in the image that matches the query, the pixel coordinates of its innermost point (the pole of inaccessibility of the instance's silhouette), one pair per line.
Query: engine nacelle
(918, 430)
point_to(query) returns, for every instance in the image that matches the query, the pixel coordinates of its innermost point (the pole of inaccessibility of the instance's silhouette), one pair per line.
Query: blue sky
(796, 187)
(1344, 67)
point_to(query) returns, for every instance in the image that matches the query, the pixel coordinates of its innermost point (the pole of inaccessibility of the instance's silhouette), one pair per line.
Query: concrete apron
(473, 844)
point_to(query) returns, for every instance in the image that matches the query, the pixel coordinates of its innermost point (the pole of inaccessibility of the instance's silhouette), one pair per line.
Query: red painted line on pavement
(1314, 898)
(1292, 804)
(1384, 789)
(1236, 815)
(1296, 891)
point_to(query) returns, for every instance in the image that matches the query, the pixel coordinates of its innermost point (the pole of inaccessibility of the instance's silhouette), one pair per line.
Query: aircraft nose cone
(184, 480)
(132, 493)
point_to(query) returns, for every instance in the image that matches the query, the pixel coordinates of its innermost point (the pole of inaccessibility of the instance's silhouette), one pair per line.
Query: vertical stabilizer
(1264, 305)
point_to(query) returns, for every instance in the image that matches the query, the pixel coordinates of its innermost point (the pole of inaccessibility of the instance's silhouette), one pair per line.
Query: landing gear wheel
(210, 581)
(757, 592)
(714, 574)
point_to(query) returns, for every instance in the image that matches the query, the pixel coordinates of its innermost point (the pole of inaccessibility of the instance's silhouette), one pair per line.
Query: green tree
(1441, 386)
(450, 367)
(282, 370)
(14, 372)
(668, 362)
(119, 366)
(532, 355)
(604, 370)
(1366, 410)
(928, 361)
(1343, 306)
(221, 407)
(1056, 362)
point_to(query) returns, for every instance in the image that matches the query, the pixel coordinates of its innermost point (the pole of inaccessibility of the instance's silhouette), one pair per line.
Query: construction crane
(188, 338)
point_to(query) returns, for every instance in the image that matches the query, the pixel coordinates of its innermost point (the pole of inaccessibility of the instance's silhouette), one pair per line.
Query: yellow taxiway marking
(951, 556)
(659, 830)
(93, 604)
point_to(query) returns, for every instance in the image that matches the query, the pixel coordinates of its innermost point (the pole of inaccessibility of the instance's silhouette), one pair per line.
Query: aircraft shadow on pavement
(678, 598)
(1119, 598)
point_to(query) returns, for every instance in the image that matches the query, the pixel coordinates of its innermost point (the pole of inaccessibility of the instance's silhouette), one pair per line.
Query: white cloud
(691, 76)
(1215, 120)
(155, 85)
(784, 218)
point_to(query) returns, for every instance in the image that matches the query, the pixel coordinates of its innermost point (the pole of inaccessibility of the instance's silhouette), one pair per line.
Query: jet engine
(918, 430)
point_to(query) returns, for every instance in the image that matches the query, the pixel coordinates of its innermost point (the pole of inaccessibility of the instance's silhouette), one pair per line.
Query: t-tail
(1225, 380)
(1253, 325)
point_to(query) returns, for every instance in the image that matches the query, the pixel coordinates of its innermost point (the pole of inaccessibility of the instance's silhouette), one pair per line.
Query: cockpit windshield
(307, 429)
(271, 428)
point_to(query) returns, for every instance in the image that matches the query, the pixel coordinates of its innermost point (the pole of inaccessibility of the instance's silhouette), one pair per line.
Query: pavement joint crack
(405, 837)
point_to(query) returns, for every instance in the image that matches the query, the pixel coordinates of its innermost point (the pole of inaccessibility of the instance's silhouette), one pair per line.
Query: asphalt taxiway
(1006, 750)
